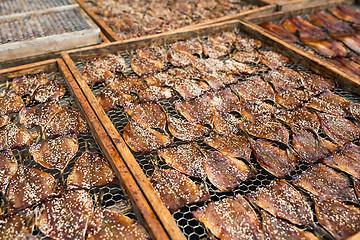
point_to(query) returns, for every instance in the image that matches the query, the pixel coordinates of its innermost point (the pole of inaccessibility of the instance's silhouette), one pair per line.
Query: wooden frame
(142, 209)
(75, 55)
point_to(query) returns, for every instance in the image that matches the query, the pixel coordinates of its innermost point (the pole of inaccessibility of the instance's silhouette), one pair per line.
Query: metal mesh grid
(43, 25)
(8, 7)
(190, 227)
(112, 195)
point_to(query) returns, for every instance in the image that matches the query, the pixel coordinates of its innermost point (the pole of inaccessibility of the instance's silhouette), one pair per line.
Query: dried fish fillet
(155, 53)
(180, 58)
(282, 200)
(189, 88)
(142, 66)
(4, 120)
(273, 59)
(73, 210)
(250, 56)
(111, 62)
(10, 102)
(231, 144)
(284, 77)
(256, 111)
(93, 74)
(186, 158)
(274, 160)
(26, 85)
(191, 46)
(154, 93)
(55, 153)
(327, 48)
(316, 83)
(245, 43)
(111, 99)
(356, 186)
(304, 28)
(225, 172)
(106, 224)
(15, 225)
(238, 68)
(225, 123)
(217, 79)
(12, 136)
(176, 190)
(254, 88)
(144, 139)
(332, 24)
(196, 110)
(160, 79)
(29, 186)
(186, 131)
(231, 218)
(224, 100)
(352, 41)
(50, 91)
(148, 115)
(8, 167)
(290, 98)
(279, 31)
(346, 13)
(124, 84)
(301, 118)
(346, 65)
(215, 50)
(341, 220)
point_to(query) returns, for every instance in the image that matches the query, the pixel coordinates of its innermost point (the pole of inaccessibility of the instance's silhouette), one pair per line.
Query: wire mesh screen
(8, 7)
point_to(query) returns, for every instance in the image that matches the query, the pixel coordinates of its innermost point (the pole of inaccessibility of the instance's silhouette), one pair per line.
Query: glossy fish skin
(331, 103)
(310, 147)
(90, 170)
(55, 153)
(231, 218)
(196, 110)
(278, 162)
(29, 186)
(186, 131)
(224, 100)
(346, 13)
(74, 209)
(347, 65)
(339, 129)
(304, 28)
(12, 136)
(316, 83)
(176, 190)
(290, 98)
(225, 172)
(148, 114)
(327, 48)
(347, 160)
(256, 111)
(15, 225)
(107, 224)
(332, 24)
(4, 120)
(273, 59)
(50, 91)
(279, 31)
(254, 88)
(10, 102)
(26, 85)
(231, 144)
(282, 200)
(144, 139)
(225, 123)
(110, 99)
(351, 41)
(301, 118)
(323, 181)
(341, 220)
(8, 167)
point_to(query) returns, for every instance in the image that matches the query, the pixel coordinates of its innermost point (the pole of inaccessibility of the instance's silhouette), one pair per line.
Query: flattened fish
(256, 111)
(210, 65)
(327, 48)
(15, 225)
(55, 153)
(231, 218)
(191, 46)
(154, 53)
(224, 100)
(301, 118)
(196, 110)
(180, 58)
(93, 74)
(186, 131)
(26, 85)
(325, 182)
(316, 83)
(304, 28)
(332, 24)
(273, 59)
(347, 65)
(106, 224)
(247, 57)
(290, 98)
(356, 186)
(8, 167)
(160, 79)
(225, 172)
(50, 91)
(346, 13)
(127, 85)
(225, 123)
(331, 103)
(111, 99)
(148, 115)
(111, 62)
(233, 145)
(246, 44)
(277, 229)
(312, 148)
(283, 201)
(66, 121)
(267, 129)
(38, 115)
(144, 139)
(29, 186)
(10, 102)
(176, 190)
(217, 79)
(352, 41)
(347, 160)
(254, 88)
(238, 68)
(90, 170)
(12, 136)
(142, 66)
(4, 120)
(154, 93)
(224, 38)
(73, 210)
(279, 31)
(186, 158)
(189, 88)
(339, 129)
(214, 50)
(274, 160)
(284, 77)
(341, 220)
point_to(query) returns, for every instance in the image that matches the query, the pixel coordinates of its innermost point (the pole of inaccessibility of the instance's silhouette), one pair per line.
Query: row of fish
(333, 34)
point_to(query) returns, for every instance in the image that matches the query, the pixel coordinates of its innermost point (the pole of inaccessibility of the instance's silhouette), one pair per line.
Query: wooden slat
(159, 208)
(354, 237)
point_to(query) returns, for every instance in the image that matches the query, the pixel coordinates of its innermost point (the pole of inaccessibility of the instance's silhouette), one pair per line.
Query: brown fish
(250, 56)
(180, 58)
(160, 79)
(225, 172)
(231, 218)
(10, 102)
(93, 74)
(55, 153)
(12, 136)
(111, 99)
(254, 88)
(186, 131)
(301, 118)
(4, 120)
(189, 88)
(238, 68)
(332, 24)
(352, 41)
(8, 167)
(331, 103)
(327, 48)
(290, 98)
(273, 59)
(217, 79)
(196, 110)
(316, 83)
(142, 66)
(210, 65)
(304, 28)
(111, 62)
(186, 158)
(279, 32)
(223, 38)
(356, 186)
(245, 43)
(225, 123)
(154, 53)
(224, 100)
(154, 93)
(26, 85)
(148, 114)
(127, 85)
(191, 46)
(283, 201)
(50, 91)
(176, 190)
(15, 225)
(284, 77)
(278, 162)
(256, 111)
(214, 50)
(346, 65)
(346, 13)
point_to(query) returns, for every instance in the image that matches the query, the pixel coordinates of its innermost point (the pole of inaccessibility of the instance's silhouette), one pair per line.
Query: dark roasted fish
(217, 79)
(4, 120)
(279, 32)
(93, 74)
(210, 65)
(225, 123)
(246, 44)
(154, 93)
(231, 218)
(189, 88)
(66, 217)
(186, 131)
(332, 24)
(256, 111)
(144, 139)
(254, 88)
(38, 115)
(301, 118)
(106, 224)
(148, 114)
(180, 58)
(251, 56)
(224, 100)
(176, 190)
(154, 53)
(352, 41)
(10, 102)
(356, 186)
(196, 110)
(8, 167)
(111, 62)
(127, 85)
(26, 85)
(186, 158)
(29, 186)
(341, 220)
(283, 201)
(15, 225)
(284, 77)
(273, 59)
(304, 28)
(160, 79)
(55, 153)
(346, 65)
(191, 46)
(274, 160)
(12, 136)
(111, 99)
(142, 66)
(215, 50)
(225, 172)
(224, 38)
(50, 91)
(346, 13)
(238, 68)
(327, 48)
(290, 98)
(316, 83)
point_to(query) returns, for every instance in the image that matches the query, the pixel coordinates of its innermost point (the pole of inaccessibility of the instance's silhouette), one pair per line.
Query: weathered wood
(354, 237)
(159, 208)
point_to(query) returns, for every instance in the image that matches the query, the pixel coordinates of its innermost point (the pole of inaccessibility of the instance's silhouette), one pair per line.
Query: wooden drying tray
(348, 81)
(294, 4)
(111, 35)
(141, 208)
(165, 38)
